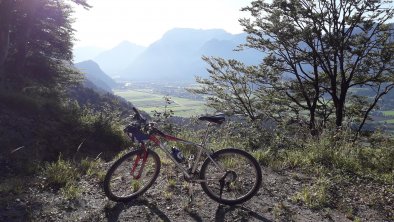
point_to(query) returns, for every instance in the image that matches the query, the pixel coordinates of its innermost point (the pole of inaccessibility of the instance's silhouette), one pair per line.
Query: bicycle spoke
(131, 176)
(240, 180)
(128, 184)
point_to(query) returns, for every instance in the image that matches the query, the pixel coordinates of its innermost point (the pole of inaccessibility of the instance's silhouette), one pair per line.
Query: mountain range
(86, 53)
(115, 60)
(174, 57)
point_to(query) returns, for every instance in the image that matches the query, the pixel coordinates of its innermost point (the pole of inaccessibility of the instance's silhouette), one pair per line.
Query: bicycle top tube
(167, 137)
(142, 130)
(216, 119)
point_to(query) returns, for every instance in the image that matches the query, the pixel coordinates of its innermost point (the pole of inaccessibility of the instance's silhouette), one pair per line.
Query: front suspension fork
(141, 157)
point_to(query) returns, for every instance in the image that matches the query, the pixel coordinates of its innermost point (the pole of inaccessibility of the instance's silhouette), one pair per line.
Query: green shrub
(60, 173)
(315, 196)
(262, 156)
(93, 168)
(70, 191)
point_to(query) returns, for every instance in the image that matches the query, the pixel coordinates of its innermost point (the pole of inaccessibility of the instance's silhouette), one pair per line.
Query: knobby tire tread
(116, 164)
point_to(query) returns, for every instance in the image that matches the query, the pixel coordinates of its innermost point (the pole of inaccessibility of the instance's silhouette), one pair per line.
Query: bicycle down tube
(201, 148)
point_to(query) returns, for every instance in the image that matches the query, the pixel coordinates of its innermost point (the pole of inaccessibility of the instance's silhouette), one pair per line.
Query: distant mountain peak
(179, 30)
(89, 61)
(190, 33)
(126, 43)
(118, 58)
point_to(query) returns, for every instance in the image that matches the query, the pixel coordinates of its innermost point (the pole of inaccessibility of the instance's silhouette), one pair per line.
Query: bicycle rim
(123, 184)
(241, 177)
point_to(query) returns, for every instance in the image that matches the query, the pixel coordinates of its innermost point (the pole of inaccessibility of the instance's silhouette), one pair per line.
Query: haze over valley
(174, 57)
(167, 67)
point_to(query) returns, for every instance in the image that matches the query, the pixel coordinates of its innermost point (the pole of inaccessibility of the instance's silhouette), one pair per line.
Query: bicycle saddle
(218, 118)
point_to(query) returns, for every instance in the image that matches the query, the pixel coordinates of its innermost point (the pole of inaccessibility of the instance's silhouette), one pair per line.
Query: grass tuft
(92, 168)
(70, 191)
(316, 196)
(60, 173)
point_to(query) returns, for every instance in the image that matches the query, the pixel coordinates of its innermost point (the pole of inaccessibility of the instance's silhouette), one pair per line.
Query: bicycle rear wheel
(123, 184)
(233, 178)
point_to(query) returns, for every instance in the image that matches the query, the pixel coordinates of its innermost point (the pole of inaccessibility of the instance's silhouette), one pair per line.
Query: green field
(388, 113)
(148, 101)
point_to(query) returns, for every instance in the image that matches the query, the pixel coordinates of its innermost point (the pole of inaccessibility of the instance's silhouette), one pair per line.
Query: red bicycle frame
(201, 148)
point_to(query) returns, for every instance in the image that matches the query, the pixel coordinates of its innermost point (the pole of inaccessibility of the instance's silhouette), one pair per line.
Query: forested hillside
(93, 73)
(46, 111)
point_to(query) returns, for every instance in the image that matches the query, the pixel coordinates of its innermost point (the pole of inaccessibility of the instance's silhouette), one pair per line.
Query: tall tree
(326, 47)
(37, 40)
(236, 88)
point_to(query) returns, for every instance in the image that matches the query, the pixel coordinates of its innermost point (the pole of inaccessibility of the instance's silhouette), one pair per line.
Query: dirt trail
(161, 203)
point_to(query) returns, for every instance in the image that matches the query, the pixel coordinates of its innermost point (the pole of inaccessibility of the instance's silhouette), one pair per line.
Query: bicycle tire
(119, 179)
(212, 186)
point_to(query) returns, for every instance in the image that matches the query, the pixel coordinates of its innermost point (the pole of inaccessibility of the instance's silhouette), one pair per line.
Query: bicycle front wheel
(131, 176)
(233, 177)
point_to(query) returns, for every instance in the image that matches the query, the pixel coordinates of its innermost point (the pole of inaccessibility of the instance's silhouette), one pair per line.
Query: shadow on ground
(226, 213)
(114, 212)
(223, 213)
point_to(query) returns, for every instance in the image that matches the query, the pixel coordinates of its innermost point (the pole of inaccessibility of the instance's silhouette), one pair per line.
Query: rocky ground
(354, 201)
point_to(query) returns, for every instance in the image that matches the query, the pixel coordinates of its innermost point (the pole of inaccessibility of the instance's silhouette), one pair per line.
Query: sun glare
(145, 21)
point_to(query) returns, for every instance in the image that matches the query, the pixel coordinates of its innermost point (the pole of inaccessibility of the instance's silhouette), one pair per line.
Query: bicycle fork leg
(144, 156)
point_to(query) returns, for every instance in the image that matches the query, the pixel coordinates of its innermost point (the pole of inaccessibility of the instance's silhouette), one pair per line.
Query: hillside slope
(94, 74)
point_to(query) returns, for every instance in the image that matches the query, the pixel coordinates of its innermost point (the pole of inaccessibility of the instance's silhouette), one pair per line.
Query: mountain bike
(229, 176)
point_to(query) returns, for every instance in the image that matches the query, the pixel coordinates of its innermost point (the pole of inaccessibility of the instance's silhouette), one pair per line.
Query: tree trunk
(4, 44)
(339, 113)
(5, 8)
(312, 123)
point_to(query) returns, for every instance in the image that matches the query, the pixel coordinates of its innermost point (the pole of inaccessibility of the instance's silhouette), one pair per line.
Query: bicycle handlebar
(145, 128)
(138, 116)
(136, 111)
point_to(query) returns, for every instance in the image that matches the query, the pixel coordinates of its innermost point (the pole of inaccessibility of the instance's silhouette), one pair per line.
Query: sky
(142, 22)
